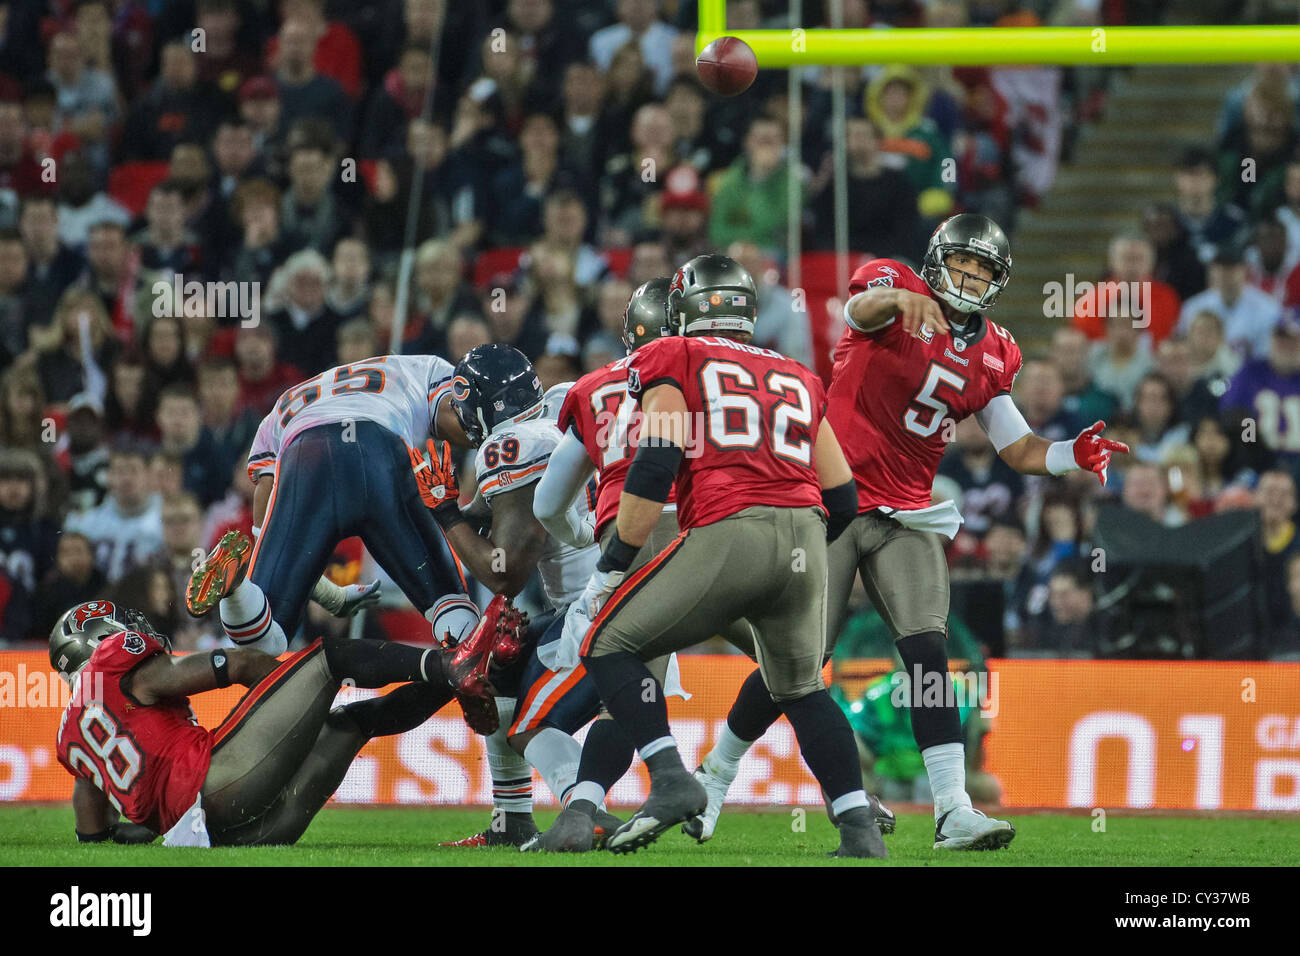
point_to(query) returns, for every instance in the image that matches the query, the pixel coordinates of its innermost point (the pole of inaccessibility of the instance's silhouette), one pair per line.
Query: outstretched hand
(1092, 452)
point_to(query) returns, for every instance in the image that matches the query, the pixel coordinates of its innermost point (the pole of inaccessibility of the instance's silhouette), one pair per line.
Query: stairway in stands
(1120, 163)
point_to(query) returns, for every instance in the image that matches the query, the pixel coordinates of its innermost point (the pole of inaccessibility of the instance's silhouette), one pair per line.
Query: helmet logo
(133, 643)
(704, 306)
(982, 245)
(739, 300)
(640, 329)
(460, 388)
(499, 405)
(715, 299)
(89, 611)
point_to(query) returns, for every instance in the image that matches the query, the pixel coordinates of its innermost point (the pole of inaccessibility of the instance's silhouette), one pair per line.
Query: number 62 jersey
(397, 392)
(891, 392)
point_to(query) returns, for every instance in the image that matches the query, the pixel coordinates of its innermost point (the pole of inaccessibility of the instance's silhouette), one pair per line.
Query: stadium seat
(131, 183)
(491, 262)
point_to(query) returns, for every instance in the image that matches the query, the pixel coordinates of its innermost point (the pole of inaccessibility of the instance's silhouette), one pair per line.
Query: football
(727, 66)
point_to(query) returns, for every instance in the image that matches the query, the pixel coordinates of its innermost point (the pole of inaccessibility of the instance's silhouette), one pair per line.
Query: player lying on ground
(764, 488)
(499, 401)
(330, 461)
(130, 738)
(918, 357)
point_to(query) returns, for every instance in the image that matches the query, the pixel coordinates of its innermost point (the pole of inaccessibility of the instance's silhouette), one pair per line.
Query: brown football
(727, 66)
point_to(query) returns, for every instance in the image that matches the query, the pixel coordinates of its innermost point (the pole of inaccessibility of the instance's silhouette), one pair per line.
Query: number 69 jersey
(891, 393)
(398, 392)
(753, 421)
(150, 761)
(514, 456)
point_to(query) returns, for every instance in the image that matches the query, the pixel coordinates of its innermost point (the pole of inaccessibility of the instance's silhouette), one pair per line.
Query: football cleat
(480, 713)
(572, 832)
(470, 659)
(862, 842)
(965, 828)
(606, 824)
(509, 646)
(518, 830)
(715, 778)
(885, 818)
(674, 798)
(219, 574)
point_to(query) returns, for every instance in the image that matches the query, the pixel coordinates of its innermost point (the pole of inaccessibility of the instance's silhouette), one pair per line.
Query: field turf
(42, 836)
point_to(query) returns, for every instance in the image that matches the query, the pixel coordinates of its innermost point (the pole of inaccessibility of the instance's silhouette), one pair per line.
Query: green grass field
(42, 836)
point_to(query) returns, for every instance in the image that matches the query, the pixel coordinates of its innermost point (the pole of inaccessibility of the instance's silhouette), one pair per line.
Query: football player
(918, 356)
(764, 488)
(498, 399)
(129, 737)
(333, 460)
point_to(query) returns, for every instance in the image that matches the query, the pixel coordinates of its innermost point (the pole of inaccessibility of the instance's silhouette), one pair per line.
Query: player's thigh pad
(258, 748)
(705, 579)
(790, 623)
(565, 699)
(905, 575)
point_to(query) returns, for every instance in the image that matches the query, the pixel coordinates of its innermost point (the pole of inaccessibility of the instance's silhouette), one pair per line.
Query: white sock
(849, 801)
(512, 777)
(453, 617)
(724, 758)
(246, 618)
(555, 755)
(655, 746)
(945, 765)
(587, 790)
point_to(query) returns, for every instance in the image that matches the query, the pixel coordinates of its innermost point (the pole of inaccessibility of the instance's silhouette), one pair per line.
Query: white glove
(599, 587)
(357, 596)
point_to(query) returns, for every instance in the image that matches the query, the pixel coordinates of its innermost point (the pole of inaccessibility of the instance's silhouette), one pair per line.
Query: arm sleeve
(1002, 421)
(561, 487)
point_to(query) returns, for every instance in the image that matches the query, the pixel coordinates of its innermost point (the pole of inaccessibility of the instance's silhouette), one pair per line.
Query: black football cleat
(674, 798)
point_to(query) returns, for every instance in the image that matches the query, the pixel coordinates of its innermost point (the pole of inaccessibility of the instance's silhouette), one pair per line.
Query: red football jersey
(754, 420)
(149, 760)
(891, 392)
(607, 422)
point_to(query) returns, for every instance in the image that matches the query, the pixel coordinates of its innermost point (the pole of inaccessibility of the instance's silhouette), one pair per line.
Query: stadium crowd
(563, 153)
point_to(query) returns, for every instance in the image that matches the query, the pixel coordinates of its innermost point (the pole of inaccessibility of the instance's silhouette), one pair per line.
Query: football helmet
(712, 293)
(494, 385)
(975, 235)
(79, 630)
(646, 315)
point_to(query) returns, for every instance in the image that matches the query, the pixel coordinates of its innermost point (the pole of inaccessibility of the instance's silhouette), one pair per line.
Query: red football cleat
(467, 670)
(510, 636)
(480, 713)
(219, 574)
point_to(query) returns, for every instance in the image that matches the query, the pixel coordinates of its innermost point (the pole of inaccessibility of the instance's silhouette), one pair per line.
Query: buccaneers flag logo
(91, 610)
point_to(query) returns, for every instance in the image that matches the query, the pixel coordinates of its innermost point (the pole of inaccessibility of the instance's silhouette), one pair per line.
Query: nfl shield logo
(499, 405)
(959, 345)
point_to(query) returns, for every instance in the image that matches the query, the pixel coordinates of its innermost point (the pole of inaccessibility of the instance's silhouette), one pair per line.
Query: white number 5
(938, 375)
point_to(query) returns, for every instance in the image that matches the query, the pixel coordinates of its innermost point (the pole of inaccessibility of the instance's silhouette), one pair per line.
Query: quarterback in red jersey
(918, 356)
(137, 751)
(740, 431)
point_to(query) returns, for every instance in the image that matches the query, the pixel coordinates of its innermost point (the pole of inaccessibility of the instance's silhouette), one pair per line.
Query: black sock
(606, 754)
(379, 663)
(401, 710)
(925, 659)
(631, 695)
(826, 742)
(754, 709)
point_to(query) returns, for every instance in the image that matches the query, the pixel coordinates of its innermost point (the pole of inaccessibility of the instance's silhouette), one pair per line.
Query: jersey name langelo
(514, 456)
(397, 392)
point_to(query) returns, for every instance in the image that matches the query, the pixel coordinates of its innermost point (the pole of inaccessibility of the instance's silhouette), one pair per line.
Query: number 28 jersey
(891, 393)
(397, 392)
(754, 417)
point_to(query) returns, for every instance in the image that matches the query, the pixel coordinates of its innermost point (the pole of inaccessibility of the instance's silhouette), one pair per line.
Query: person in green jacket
(896, 101)
(751, 203)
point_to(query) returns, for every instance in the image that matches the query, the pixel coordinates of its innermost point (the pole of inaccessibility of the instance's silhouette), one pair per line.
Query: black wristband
(448, 514)
(841, 504)
(618, 555)
(221, 667)
(99, 837)
(653, 471)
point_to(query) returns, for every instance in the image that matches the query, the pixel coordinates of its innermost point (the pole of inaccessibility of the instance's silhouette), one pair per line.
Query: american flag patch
(993, 362)
(738, 300)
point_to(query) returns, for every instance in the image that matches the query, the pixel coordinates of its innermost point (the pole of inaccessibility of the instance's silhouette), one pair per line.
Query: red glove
(1092, 452)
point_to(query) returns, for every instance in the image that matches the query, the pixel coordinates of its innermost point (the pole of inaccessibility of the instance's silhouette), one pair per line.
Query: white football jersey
(513, 456)
(122, 542)
(397, 392)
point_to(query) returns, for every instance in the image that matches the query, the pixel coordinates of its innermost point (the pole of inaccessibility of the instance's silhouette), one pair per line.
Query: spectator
(81, 206)
(508, 74)
(780, 325)
(234, 156)
(511, 318)
(1177, 260)
(149, 589)
(234, 512)
(559, 362)
(264, 246)
(205, 467)
(699, 142)
(20, 169)
(1209, 224)
(649, 260)
(400, 101)
(1266, 136)
(82, 453)
(110, 272)
(1195, 397)
(126, 407)
(126, 530)
(752, 202)
(1221, 457)
(1210, 355)
(639, 24)
(310, 214)
(349, 289)
(336, 54)
(684, 215)
(1146, 492)
(1284, 641)
(610, 305)
(75, 578)
(628, 87)
(28, 537)
(1265, 388)
(22, 411)
(167, 247)
(166, 474)
(260, 109)
(303, 91)
(177, 108)
(1080, 397)
(520, 188)
(226, 62)
(1155, 413)
(1131, 262)
(356, 342)
(632, 178)
(1268, 260)
(1119, 363)
(464, 333)
(1068, 627)
(165, 359)
(86, 97)
(895, 101)
(558, 305)
(15, 319)
(305, 325)
(989, 487)
(581, 149)
(75, 349)
(52, 266)
(262, 374)
(440, 293)
(232, 428)
(1288, 212)
(1276, 500)
(547, 45)
(564, 226)
(884, 222)
(182, 525)
(1007, 550)
(1248, 314)
(1040, 393)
